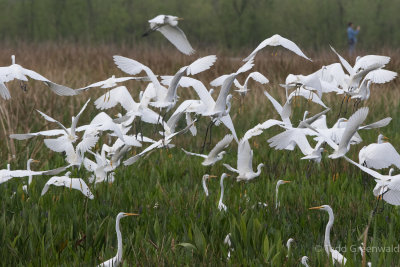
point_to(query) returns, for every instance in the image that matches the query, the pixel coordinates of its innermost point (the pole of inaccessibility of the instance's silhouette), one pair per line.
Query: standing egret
(115, 261)
(168, 26)
(222, 206)
(204, 182)
(288, 243)
(336, 256)
(279, 183)
(304, 260)
(216, 154)
(245, 162)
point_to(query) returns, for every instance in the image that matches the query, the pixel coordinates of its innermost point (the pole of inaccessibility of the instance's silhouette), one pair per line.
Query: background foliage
(226, 23)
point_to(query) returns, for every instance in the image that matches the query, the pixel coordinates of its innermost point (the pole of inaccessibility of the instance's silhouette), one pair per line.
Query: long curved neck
(205, 186)
(28, 167)
(380, 141)
(327, 241)
(119, 237)
(276, 196)
(222, 189)
(259, 169)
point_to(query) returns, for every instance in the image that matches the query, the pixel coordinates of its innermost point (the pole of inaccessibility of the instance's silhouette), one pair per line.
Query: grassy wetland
(178, 224)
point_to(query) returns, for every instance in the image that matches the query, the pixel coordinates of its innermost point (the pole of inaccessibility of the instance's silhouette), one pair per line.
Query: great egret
(163, 98)
(168, 26)
(259, 128)
(115, 261)
(221, 205)
(279, 183)
(159, 144)
(244, 163)
(71, 183)
(121, 95)
(206, 104)
(379, 155)
(365, 68)
(15, 71)
(336, 256)
(288, 244)
(216, 154)
(8, 174)
(277, 40)
(204, 182)
(69, 135)
(304, 260)
(352, 126)
(387, 186)
(256, 76)
(112, 82)
(227, 241)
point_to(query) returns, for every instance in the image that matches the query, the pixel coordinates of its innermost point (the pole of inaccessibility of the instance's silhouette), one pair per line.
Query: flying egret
(8, 174)
(68, 135)
(115, 261)
(279, 183)
(206, 104)
(379, 155)
(72, 183)
(221, 205)
(216, 154)
(387, 186)
(277, 40)
(256, 76)
(15, 71)
(159, 144)
(245, 162)
(352, 126)
(204, 182)
(168, 26)
(112, 82)
(336, 256)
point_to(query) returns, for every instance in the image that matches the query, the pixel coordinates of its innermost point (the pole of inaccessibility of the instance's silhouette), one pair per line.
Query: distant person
(352, 37)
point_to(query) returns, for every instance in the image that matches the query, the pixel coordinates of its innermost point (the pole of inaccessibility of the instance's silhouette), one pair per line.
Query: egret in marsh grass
(71, 183)
(304, 260)
(115, 261)
(379, 155)
(204, 182)
(15, 71)
(288, 244)
(168, 26)
(244, 163)
(216, 154)
(221, 205)
(279, 183)
(336, 256)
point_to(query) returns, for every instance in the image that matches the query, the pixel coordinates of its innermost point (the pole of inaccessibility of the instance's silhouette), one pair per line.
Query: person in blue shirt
(352, 37)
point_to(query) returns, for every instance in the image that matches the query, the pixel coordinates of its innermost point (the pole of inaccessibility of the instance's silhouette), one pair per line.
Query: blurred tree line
(225, 23)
